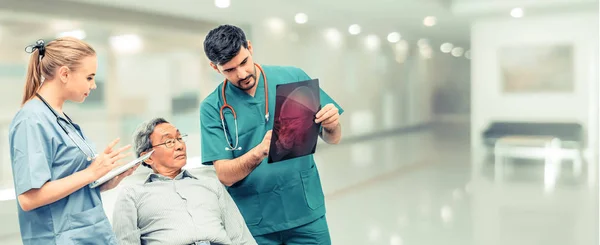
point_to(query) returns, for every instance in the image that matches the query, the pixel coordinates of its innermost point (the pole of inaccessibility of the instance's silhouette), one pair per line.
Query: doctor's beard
(247, 85)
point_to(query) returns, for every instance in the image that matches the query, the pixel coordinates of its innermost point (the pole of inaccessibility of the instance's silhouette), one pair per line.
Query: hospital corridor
(460, 122)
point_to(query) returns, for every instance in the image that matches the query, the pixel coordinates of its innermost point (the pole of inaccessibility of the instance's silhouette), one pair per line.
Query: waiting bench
(552, 142)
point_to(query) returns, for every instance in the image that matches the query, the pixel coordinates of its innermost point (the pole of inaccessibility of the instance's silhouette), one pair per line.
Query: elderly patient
(172, 206)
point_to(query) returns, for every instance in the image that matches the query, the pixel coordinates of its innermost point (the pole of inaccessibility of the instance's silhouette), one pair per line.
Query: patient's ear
(149, 160)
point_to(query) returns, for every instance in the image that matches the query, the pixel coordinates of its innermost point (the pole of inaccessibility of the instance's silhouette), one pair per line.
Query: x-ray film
(295, 132)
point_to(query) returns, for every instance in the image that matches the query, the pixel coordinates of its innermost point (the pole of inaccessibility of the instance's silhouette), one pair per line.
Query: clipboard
(120, 170)
(295, 133)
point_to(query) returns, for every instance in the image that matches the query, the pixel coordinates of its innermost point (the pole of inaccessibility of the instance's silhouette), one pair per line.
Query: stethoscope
(225, 105)
(69, 122)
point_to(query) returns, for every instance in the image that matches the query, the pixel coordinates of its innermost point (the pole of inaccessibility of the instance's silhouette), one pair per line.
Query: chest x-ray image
(295, 132)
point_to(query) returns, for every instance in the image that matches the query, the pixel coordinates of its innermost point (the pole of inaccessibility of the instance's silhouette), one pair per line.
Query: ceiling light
(374, 234)
(396, 240)
(62, 25)
(402, 45)
(429, 21)
(393, 37)
(516, 12)
(333, 36)
(446, 47)
(222, 3)
(79, 34)
(426, 51)
(275, 24)
(446, 213)
(457, 52)
(401, 51)
(372, 42)
(129, 43)
(468, 54)
(301, 18)
(354, 29)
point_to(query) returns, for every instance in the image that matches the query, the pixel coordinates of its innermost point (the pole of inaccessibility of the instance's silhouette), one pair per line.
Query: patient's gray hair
(141, 137)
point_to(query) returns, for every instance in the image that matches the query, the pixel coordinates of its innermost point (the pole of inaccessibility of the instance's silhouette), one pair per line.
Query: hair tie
(40, 45)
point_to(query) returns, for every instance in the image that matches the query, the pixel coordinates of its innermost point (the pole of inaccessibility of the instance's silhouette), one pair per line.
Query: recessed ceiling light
(63, 25)
(468, 54)
(301, 18)
(517, 12)
(402, 45)
(372, 42)
(333, 36)
(222, 3)
(446, 47)
(354, 29)
(426, 51)
(393, 37)
(79, 34)
(129, 43)
(457, 52)
(429, 21)
(275, 24)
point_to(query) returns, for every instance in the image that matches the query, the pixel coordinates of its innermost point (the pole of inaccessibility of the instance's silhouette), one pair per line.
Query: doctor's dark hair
(47, 58)
(223, 43)
(141, 137)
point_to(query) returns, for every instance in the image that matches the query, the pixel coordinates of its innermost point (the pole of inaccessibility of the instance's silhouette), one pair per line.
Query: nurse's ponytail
(33, 80)
(47, 58)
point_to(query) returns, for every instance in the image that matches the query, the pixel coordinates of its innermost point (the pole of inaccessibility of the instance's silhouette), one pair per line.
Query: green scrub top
(273, 197)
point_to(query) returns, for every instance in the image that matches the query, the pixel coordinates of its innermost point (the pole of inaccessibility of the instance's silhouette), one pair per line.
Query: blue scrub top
(41, 151)
(273, 197)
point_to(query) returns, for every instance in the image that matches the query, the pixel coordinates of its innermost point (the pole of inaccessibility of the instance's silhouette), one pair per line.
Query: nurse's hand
(329, 117)
(106, 161)
(114, 182)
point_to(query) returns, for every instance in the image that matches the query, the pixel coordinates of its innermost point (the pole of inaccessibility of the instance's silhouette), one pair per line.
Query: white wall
(488, 102)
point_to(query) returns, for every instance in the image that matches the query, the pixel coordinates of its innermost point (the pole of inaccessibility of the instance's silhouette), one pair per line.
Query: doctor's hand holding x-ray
(328, 116)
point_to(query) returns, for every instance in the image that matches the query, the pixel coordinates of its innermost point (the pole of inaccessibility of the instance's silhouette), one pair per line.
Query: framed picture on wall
(537, 68)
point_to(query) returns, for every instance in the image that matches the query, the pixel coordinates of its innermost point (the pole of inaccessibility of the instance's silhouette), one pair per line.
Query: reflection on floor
(418, 188)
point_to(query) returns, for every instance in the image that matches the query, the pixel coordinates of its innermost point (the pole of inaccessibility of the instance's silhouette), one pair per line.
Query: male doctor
(283, 202)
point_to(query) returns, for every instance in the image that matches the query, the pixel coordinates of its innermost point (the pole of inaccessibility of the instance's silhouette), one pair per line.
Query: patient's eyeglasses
(169, 143)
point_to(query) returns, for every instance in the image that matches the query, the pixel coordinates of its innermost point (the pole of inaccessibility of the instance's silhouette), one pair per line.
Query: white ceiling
(375, 16)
